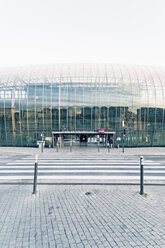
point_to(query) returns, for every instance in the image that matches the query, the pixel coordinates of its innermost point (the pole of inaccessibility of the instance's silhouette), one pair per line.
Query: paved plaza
(70, 215)
(81, 216)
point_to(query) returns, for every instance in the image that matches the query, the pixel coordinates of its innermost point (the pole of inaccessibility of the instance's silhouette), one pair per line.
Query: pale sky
(82, 31)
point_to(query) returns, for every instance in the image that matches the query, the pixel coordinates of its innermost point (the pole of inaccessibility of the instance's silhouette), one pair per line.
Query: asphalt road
(79, 168)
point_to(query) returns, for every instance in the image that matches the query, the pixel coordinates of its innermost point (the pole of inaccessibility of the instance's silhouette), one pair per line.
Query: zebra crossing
(79, 168)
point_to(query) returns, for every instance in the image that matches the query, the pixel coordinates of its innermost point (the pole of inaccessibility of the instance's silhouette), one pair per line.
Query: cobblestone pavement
(81, 216)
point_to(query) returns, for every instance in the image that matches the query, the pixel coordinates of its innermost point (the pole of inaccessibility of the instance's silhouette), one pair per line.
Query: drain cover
(88, 193)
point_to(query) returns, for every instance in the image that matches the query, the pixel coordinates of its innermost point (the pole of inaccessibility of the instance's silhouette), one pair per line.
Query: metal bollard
(98, 147)
(35, 175)
(141, 176)
(42, 147)
(123, 145)
(108, 147)
(70, 146)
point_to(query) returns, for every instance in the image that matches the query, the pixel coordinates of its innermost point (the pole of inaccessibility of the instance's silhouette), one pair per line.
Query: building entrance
(89, 138)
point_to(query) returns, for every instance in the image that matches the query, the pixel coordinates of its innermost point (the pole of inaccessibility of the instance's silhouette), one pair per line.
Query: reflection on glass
(30, 109)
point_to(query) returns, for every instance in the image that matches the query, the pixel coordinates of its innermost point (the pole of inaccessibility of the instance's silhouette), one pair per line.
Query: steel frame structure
(105, 93)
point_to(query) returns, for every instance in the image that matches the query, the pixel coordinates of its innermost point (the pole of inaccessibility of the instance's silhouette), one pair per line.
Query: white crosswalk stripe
(82, 168)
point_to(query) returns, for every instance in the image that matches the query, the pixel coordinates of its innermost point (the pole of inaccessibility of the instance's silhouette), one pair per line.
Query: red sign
(100, 130)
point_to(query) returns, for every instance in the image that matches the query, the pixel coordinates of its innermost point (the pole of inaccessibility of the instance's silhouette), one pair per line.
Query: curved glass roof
(83, 73)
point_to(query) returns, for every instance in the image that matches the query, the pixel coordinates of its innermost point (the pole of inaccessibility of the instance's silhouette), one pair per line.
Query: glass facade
(83, 98)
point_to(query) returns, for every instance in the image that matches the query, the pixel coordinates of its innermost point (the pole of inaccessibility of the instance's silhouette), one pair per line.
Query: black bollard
(42, 146)
(141, 176)
(35, 175)
(123, 143)
(108, 147)
(70, 146)
(98, 146)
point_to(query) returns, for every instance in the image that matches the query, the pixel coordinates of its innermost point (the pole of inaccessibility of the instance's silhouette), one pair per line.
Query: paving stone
(113, 216)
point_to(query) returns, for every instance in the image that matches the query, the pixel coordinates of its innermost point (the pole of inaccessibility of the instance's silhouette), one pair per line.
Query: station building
(84, 104)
